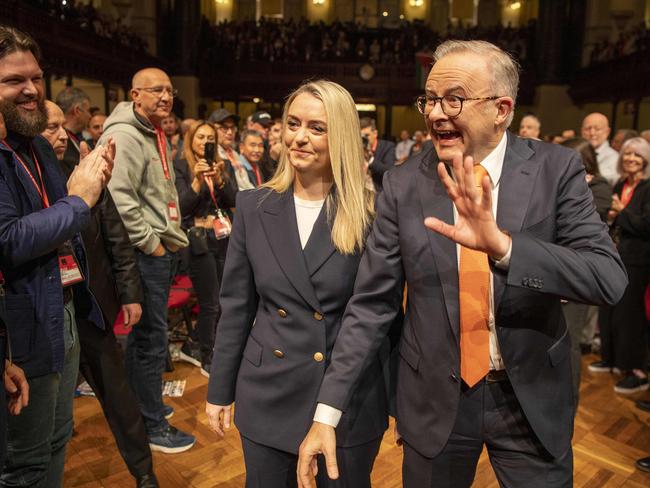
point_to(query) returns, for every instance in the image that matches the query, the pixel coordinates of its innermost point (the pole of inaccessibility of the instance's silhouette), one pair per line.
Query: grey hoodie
(138, 185)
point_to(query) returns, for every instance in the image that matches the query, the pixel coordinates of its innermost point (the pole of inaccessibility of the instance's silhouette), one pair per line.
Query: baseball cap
(222, 114)
(262, 117)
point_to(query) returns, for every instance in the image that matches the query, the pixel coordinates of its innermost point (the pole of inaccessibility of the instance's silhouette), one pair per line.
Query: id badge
(173, 211)
(70, 271)
(221, 225)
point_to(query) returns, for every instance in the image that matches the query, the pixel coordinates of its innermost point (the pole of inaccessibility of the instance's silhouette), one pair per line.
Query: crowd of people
(634, 40)
(325, 304)
(84, 15)
(288, 40)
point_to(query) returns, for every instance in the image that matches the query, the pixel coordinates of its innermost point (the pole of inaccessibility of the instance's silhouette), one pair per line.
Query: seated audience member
(403, 147)
(95, 129)
(115, 283)
(621, 136)
(380, 154)
(595, 129)
(251, 149)
(43, 264)
(623, 327)
(226, 124)
(581, 318)
(205, 192)
(530, 127)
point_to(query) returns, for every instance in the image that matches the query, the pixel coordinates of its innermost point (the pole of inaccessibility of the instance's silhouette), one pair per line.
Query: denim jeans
(146, 349)
(37, 437)
(206, 272)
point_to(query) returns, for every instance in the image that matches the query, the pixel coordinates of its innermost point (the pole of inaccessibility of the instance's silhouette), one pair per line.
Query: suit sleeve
(238, 300)
(373, 307)
(582, 263)
(121, 253)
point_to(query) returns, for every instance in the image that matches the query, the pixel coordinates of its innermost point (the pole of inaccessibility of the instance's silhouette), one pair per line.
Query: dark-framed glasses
(452, 105)
(159, 91)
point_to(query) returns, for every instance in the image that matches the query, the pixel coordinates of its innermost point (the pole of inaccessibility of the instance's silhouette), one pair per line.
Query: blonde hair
(351, 206)
(188, 153)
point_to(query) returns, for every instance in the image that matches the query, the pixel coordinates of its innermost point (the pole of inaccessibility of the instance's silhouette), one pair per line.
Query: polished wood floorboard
(610, 434)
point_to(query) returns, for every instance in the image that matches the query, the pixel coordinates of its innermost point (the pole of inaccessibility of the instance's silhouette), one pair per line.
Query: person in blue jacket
(43, 263)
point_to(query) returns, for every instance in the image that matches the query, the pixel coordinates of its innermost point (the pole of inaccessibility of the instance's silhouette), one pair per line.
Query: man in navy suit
(380, 153)
(484, 351)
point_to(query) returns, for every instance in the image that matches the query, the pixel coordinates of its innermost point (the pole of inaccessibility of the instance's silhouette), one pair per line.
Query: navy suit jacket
(383, 161)
(560, 249)
(281, 310)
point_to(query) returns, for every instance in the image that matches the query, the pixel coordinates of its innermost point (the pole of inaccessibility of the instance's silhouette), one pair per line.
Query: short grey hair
(505, 69)
(250, 133)
(71, 97)
(641, 147)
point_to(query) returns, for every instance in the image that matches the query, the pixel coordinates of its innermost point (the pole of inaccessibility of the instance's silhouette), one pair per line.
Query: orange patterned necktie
(474, 296)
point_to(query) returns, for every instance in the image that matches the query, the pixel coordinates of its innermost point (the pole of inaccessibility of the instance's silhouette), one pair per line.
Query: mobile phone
(209, 153)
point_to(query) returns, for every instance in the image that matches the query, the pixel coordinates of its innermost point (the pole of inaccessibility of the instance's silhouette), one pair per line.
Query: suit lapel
(515, 191)
(435, 202)
(278, 215)
(319, 247)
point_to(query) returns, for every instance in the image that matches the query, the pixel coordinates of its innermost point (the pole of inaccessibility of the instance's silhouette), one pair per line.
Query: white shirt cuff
(327, 415)
(504, 262)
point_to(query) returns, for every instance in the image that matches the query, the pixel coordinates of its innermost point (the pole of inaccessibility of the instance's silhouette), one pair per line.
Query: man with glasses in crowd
(595, 129)
(226, 123)
(145, 195)
(484, 351)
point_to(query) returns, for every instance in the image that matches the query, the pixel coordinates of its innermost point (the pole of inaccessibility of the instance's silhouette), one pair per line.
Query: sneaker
(168, 411)
(170, 440)
(190, 353)
(601, 367)
(631, 383)
(205, 369)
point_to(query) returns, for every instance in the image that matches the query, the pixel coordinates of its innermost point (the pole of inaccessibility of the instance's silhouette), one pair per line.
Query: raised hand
(93, 172)
(475, 225)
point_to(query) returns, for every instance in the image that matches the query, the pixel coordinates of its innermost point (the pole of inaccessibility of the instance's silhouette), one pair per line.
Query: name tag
(173, 211)
(70, 271)
(221, 225)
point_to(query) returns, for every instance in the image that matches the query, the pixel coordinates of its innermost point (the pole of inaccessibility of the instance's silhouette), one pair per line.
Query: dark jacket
(631, 229)
(296, 299)
(383, 161)
(602, 193)
(560, 248)
(200, 204)
(29, 238)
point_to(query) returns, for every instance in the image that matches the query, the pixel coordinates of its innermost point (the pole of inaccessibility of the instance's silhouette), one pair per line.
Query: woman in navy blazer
(289, 273)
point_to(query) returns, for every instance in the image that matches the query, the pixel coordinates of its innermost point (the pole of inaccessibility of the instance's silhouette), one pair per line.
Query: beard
(28, 125)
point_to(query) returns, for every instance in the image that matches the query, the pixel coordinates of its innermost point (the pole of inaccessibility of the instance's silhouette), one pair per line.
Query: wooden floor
(610, 434)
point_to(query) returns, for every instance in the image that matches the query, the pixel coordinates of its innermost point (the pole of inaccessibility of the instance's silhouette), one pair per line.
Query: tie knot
(479, 173)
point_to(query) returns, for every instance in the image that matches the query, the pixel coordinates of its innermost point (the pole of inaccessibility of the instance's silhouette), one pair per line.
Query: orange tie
(474, 296)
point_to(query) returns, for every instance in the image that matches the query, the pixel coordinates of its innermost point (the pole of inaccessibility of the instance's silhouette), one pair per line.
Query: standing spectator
(76, 107)
(581, 318)
(380, 153)
(226, 123)
(145, 195)
(206, 193)
(418, 142)
(43, 265)
(251, 148)
(261, 122)
(95, 129)
(530, 127)
(623, 327)
(595, 129)
(621, 136)
(403, 148)
(172, 131)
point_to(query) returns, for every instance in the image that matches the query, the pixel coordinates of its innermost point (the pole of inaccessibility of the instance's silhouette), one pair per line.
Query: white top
(493, 163)
(607, 159)
(403, 148)
(306, 214)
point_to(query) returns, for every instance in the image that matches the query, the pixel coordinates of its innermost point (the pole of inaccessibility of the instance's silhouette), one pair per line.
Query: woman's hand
(617, 205)
(219, 417)
(201, 170)
(219, 173)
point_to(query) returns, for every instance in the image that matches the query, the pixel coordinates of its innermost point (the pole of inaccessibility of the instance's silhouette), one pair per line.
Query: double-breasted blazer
(560, 249)
(281, 313)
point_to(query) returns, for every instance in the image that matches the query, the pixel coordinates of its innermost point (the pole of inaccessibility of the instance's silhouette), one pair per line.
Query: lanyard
(258, 177)
(74, 140)
(627, 192)
(162, 151)
(40, 189)
(210, 182)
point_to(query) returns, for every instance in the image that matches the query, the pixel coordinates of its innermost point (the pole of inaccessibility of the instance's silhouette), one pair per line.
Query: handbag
(198, 240)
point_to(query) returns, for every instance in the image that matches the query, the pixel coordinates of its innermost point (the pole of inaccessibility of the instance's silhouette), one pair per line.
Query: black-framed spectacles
(158, 91)
(452, 105)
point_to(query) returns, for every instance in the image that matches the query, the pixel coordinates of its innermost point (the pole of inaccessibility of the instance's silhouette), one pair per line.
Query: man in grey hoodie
(145, 195)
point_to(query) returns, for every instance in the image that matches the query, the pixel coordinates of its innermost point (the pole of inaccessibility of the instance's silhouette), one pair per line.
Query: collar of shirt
(245, 162)
(603, 148)
(493, 162)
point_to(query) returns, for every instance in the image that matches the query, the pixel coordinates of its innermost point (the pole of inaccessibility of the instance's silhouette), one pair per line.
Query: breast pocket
(22, 322)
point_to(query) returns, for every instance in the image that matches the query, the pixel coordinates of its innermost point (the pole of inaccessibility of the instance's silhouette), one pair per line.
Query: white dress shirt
(607, 159)
(493, 164)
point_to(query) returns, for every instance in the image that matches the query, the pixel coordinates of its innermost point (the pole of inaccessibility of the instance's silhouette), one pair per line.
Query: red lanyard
(627, 192)
(210, 182)
(40, 189)
(162, 150)
(374, 146)
(258, 177)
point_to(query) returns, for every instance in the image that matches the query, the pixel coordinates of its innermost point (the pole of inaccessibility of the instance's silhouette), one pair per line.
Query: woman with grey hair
(623, 327)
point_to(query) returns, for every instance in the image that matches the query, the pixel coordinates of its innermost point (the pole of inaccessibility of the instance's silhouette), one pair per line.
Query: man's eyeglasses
(227, 128)
(158, 91)
(452, 105)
